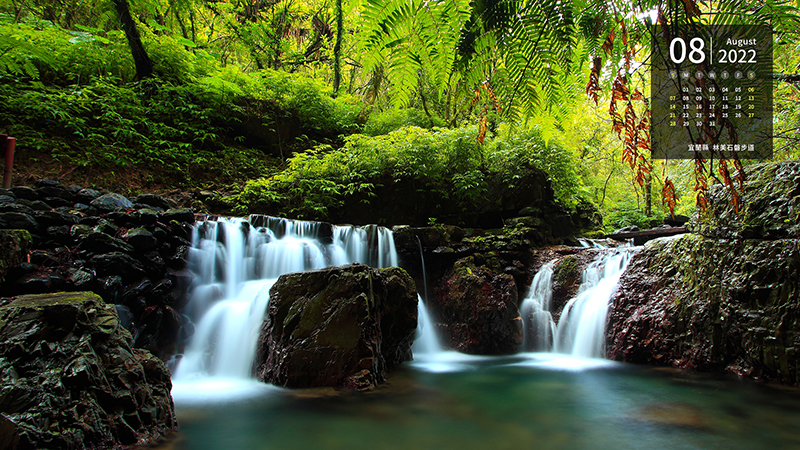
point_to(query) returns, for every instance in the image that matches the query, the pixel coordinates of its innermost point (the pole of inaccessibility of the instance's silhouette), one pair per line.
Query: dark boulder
(71, 379)
(117, 263)
(24, 192)
(340, 326)
(112, 202)
(87, 195)
(477, 308)
(141, 239)
(180, 215)
(97, 242)
(17, 220)
(152, 200)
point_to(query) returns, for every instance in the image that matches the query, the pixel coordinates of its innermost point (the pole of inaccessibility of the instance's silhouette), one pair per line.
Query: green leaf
(186, 42)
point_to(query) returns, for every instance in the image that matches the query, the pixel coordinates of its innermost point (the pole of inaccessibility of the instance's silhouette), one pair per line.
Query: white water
(538, 326)
(235, 265)
(581, 327)
(427, 343)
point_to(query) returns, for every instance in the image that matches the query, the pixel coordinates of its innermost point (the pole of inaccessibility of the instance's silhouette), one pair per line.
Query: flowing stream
(444, 400)
(581, 328)
(235, 264)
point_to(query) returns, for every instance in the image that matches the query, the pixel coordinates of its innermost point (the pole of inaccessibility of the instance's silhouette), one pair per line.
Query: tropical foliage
(273, 91)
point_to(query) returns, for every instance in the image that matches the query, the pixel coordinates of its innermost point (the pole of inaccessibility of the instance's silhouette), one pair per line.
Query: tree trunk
(144, 66)
(648, 195)
(337, 49)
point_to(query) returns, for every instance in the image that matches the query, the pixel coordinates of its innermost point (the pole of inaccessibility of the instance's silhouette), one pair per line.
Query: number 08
(677, 50)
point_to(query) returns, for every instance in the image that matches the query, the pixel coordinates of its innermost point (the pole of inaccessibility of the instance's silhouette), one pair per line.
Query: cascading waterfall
(427, 342)
(235, 264)
(581, 328)
(538, 326)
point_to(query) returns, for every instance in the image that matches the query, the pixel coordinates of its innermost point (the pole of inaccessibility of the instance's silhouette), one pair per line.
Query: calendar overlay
(711, 91)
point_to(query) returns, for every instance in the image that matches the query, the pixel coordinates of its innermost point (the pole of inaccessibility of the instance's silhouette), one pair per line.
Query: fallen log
(640, 237)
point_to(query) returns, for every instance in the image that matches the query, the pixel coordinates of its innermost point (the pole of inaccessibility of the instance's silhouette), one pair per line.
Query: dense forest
(291, 107)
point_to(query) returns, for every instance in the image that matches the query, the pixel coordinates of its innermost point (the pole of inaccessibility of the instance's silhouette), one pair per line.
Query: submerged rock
(341, 326)
(70, 378)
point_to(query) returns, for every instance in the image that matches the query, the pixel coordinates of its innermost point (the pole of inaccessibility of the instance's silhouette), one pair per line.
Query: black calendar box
(711, 91)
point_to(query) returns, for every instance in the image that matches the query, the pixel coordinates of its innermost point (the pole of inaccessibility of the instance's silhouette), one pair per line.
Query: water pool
(525, 401)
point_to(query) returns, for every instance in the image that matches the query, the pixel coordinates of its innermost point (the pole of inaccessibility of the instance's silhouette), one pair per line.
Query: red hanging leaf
(608, 45)
(593, 86)
(482, 127)
(668, 196)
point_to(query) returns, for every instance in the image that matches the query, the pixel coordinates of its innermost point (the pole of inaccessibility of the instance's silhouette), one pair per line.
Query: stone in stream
(478, 308)
(70, 378)
(341, 326)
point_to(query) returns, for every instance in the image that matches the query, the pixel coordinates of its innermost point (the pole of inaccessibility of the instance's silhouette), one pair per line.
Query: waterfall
(427, 341)
(538, 326)
(581, 328)
(235, 264)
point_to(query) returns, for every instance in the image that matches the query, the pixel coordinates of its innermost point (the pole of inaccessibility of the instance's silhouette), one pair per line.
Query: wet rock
(180, 215)
(711, 304)
(81, 279)
(141, 239)
(341, 326)
(13, 249)
(44, 182)
(71, 380)
(56, 202)
(43, 258)
(122, 219)
(104, 226)
(112, 202)
(24, 192)
(16, 220)
(147, 216)
(153, 200)
(158, 330)
(117, 263)
(37, 283)
(55, 191)
(38, 205)
(770, 205)
(477, 308)
(97, 242)
(15, 207)
(54, 218)
(87, 195)
(7, 199)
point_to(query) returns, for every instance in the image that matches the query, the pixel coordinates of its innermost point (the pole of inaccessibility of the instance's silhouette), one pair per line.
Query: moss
(566, 271)
(59, 298)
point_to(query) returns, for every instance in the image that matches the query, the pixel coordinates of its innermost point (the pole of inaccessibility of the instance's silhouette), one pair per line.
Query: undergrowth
(449, 163)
